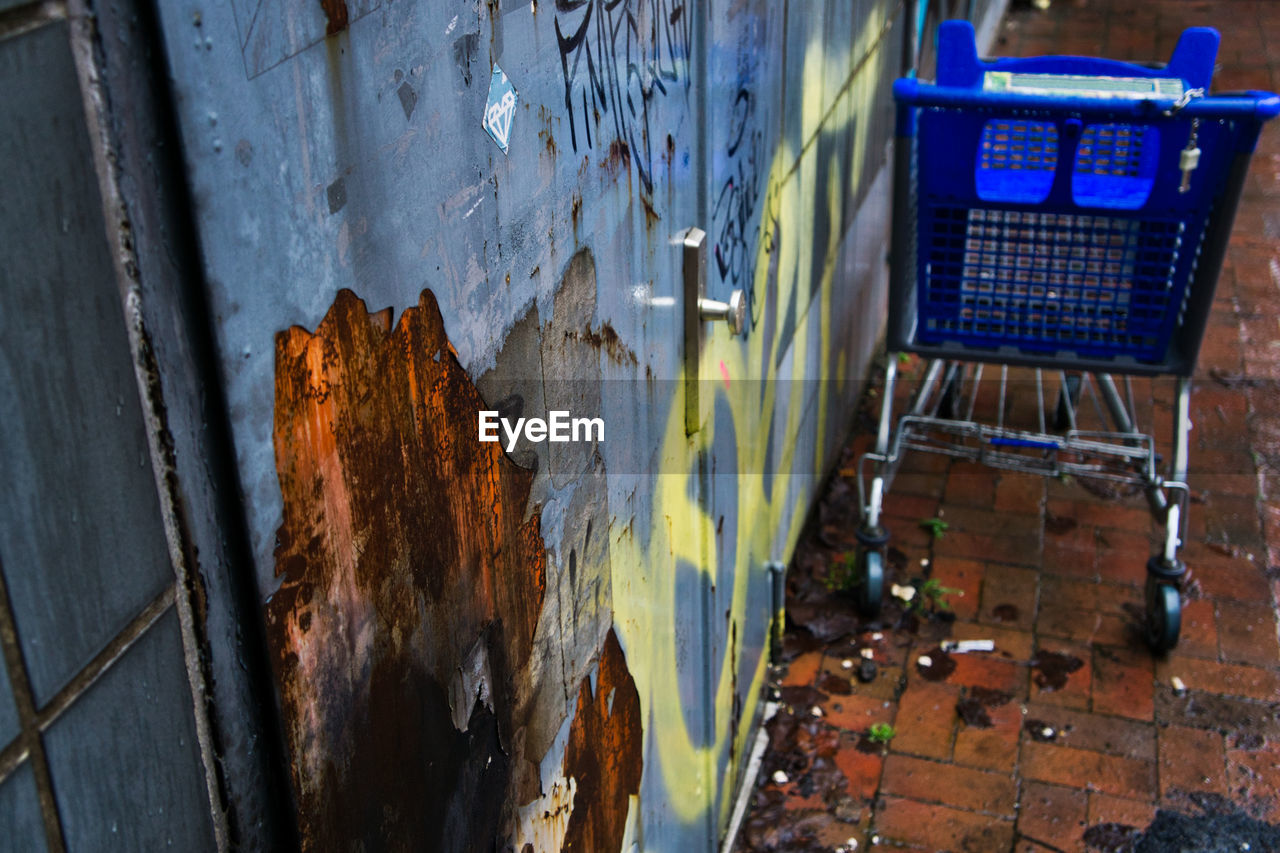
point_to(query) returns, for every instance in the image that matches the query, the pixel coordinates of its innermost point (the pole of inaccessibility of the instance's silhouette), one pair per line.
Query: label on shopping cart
(1082, 86)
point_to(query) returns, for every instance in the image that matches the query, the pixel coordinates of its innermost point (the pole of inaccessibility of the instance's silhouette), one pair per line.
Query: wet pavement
(1068, 735)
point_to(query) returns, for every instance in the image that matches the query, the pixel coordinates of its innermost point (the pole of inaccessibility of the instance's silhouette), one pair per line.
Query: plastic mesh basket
(1046, 215)
(1050, 282)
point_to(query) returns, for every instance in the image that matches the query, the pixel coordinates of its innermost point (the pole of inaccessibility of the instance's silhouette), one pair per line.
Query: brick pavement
(1070, 736)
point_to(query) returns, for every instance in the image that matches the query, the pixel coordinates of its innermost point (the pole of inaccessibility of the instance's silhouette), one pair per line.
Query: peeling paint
(543, 823)
(604, 757)
(403, 631)
(394, 600)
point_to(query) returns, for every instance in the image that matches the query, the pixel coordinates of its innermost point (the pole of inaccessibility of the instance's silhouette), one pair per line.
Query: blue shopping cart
(1061, 215)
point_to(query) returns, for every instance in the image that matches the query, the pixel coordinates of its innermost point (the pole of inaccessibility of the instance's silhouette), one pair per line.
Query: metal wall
(100, 740)
(427, 597)
(316, 263)
(133, 694)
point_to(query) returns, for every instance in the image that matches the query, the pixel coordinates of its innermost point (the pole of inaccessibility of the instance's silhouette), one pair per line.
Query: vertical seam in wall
(701, 79)
(709, 675)
(32, 747)
(125, 268)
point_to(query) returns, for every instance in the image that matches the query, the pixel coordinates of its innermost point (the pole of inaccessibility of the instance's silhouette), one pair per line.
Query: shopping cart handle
(1267, 103)
(1258, 105)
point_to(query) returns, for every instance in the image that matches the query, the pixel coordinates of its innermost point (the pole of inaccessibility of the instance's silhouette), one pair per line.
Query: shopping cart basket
(1065, 215)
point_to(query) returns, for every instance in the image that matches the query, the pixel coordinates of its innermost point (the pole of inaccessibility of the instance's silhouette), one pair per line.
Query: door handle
(733, 312)
(698, 308)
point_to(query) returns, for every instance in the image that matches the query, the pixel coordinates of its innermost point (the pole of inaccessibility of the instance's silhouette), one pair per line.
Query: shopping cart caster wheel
(1164, 615)
(871, 587)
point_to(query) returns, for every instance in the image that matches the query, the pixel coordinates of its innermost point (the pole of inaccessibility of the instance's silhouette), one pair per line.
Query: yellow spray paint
(770, 515)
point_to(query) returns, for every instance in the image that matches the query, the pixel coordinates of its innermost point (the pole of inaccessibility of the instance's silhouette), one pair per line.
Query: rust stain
(411, 583)
(335, 13)
(651, 216)
(618, 159)
(608, 340)
(604, 754)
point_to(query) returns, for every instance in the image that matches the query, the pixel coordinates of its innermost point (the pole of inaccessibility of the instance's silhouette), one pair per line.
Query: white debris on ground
(962, 646)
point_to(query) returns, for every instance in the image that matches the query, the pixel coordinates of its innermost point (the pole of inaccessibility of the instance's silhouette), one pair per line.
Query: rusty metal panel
(80, 536)
(124, 759)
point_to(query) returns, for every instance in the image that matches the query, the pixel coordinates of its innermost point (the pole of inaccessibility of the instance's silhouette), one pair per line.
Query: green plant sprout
(881, 733)
(933, 591)
(936, 526)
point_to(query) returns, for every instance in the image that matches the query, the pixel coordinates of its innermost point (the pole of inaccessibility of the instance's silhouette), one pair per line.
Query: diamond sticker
(501, 108)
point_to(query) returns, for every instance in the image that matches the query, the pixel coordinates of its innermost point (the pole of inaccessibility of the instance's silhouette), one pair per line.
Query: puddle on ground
(802, 696)
(1216, 826)
(1059, 525)
(1112, 838)
(835, 684)
(973, 707)
(1247, 741)
(796, 641)
(973, 713)
(941, 665)
(1006, 612)
(1053, 669)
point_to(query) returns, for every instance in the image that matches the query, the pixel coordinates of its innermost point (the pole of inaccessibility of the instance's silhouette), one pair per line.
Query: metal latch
(1189, 159)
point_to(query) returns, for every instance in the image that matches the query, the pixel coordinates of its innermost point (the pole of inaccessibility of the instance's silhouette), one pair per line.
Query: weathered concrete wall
(561, 647)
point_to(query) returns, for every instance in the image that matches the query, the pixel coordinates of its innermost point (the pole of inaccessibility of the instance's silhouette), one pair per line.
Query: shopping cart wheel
(1164, 615)
(871, 586)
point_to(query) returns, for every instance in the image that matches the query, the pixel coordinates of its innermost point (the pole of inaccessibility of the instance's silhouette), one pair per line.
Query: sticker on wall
(501, 109)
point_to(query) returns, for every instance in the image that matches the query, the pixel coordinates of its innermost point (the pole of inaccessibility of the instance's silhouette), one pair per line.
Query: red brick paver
(1071, 729)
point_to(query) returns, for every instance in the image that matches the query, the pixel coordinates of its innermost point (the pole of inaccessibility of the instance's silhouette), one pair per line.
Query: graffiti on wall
(617, 56)
(755, 425)
(737, 199)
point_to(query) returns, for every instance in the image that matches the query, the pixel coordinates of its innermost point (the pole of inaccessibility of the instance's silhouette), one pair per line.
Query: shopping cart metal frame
(964, 322)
